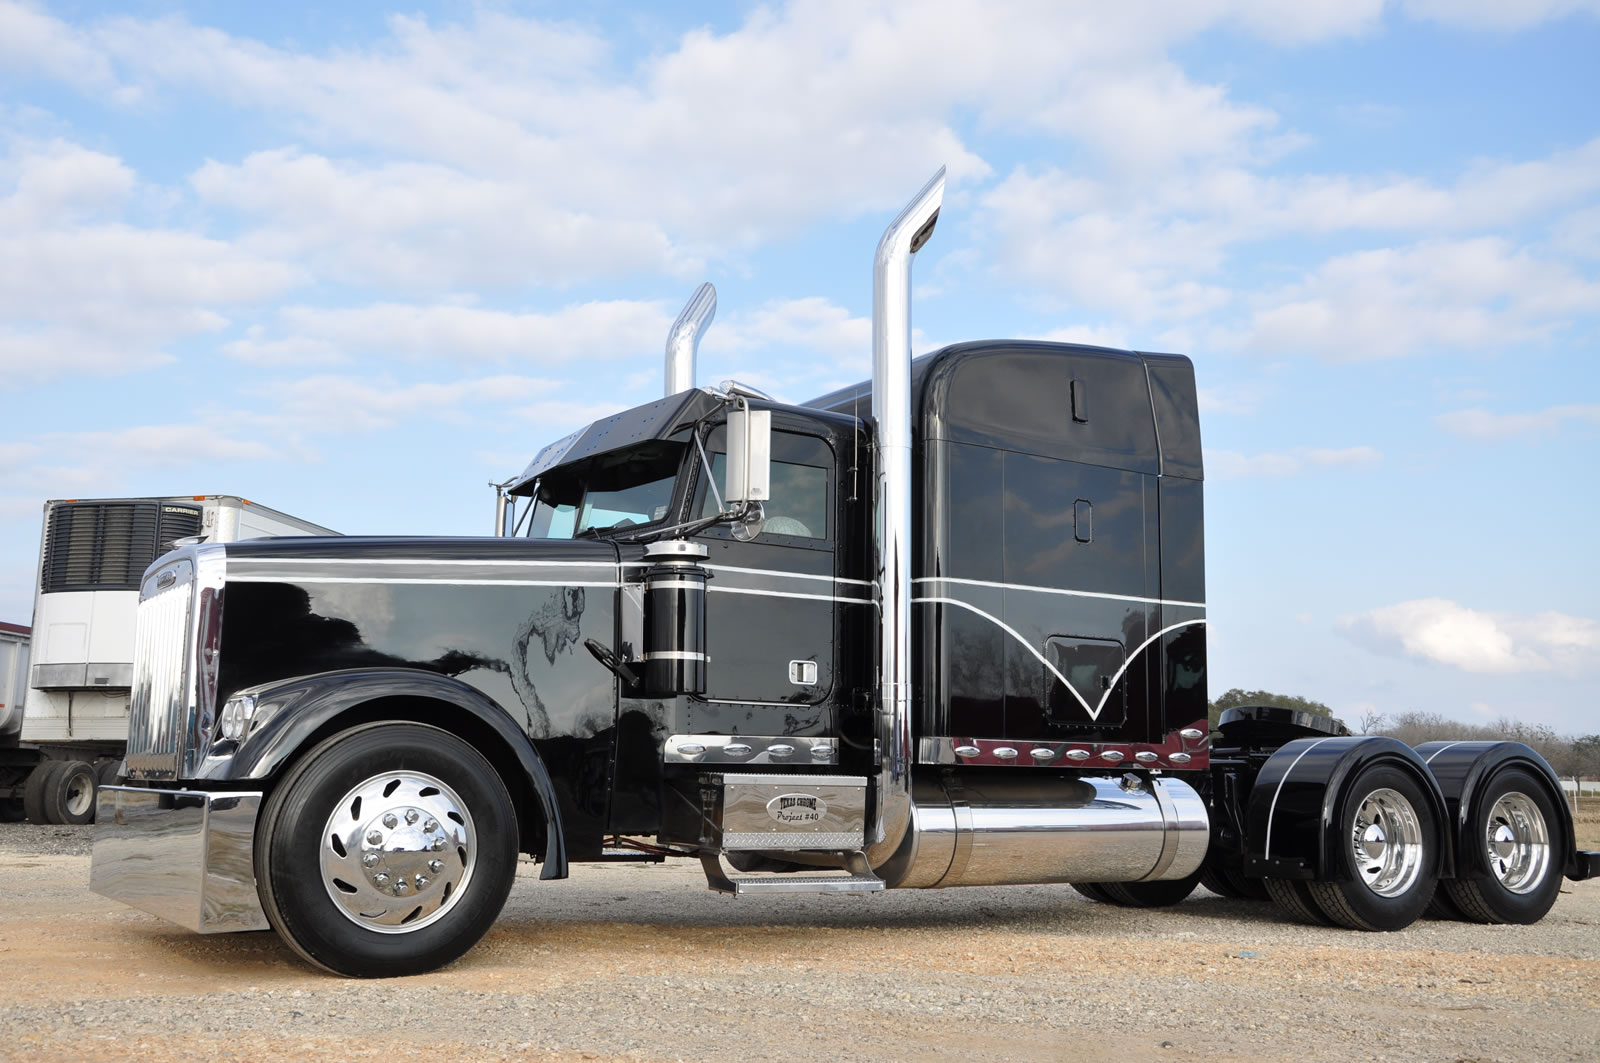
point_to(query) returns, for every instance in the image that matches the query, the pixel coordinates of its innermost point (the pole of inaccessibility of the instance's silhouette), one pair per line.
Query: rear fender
(1295, 801)
(1464, 771)
(292, 714)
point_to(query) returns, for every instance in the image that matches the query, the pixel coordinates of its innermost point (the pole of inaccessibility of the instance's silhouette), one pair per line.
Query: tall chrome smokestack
(684, 339)
(891, 414)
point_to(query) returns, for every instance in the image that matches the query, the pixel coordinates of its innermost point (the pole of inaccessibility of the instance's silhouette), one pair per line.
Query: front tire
(1387, 856)
(387, 850)
(1514, 834)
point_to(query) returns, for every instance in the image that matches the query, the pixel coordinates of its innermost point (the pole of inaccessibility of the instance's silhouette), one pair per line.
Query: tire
(1387, 856)
(1215, 881)
(41, 780)
(1516, 833)
(69, 799)
(387, 850)
(1294, 897)
(1095, 891)
(1150, 894)
(1442, 907)
(105, 773)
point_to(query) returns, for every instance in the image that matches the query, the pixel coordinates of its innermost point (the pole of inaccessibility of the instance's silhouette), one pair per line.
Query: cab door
(771, 601)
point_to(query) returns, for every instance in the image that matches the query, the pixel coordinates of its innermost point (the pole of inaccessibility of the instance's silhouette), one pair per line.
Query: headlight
(236, 716)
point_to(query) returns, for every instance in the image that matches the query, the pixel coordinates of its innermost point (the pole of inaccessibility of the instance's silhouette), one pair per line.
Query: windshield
(624, 489)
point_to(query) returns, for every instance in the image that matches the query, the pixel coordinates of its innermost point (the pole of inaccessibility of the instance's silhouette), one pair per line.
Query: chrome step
(859, 879)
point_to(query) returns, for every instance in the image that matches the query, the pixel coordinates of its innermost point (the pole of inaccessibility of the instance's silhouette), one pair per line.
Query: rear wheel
(1095, 891)
(1387, 859)
(70, 798)
(388, 850)
(1150, 894)
(41, 780)
(1514, 836)
(1294, 897)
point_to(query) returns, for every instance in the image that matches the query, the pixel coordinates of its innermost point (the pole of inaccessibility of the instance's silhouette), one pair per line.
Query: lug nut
(381, 878)
(436, 866)
(438, 845)
(370, 860)
(375, 837)
(411, 815)
(400, 885)
(422, 880)
(430, 826)
(389, 821)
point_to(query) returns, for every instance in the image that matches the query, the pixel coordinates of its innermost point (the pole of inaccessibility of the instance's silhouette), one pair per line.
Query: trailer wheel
(1294, 897)
(41, 781)
(388, 850)
(1387, 862)
(1512, 831)
(1151, 894)
(69, 799)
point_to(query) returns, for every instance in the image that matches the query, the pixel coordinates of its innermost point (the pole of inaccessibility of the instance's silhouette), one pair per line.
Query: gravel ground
(643, 963)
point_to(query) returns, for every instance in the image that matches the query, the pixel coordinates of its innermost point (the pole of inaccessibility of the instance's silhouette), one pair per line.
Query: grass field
(1587, 824)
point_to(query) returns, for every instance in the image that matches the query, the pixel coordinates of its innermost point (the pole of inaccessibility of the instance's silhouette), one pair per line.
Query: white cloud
(1232, 465)
(337, 404)
(82, 290)
(1481, 424)
(1446, 632)
(1498, 14)
(604, 330)
(1475, 294)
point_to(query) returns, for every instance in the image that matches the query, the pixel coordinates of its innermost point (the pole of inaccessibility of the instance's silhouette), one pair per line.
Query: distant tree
(1372, 721)
(1237, 697)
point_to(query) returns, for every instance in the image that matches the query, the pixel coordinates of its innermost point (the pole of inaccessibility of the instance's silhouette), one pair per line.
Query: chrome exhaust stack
(683, 341)
(891, 415)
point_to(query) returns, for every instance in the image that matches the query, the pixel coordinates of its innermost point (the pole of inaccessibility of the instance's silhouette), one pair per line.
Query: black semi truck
(943, 629)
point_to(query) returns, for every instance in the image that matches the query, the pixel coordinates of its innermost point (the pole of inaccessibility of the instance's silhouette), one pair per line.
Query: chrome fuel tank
(996, 832)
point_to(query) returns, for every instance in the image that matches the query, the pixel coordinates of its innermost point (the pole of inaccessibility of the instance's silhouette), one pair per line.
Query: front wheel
(388, 850)
(1524, 856)
(1387, 858)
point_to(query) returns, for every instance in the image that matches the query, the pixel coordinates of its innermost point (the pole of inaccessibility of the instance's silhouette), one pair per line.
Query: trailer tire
(40, 781)
(69, 799)
(387, 850)
(105, 773)
(1387, 853)
(1294, 897)
(1162, 894)
(1516, 827)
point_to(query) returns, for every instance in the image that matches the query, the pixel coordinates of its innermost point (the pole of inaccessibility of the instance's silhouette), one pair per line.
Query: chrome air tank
(675, 619)
(1003, 831)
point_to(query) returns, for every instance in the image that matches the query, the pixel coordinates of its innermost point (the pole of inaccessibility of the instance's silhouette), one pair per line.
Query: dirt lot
(643, 963)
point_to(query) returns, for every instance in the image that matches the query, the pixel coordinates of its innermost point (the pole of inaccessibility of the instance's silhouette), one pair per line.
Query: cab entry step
(854, 881)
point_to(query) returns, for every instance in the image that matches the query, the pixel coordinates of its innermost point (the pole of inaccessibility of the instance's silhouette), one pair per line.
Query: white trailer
(92, 554)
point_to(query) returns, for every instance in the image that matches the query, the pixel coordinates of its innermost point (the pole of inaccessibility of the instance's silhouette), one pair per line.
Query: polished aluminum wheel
(1386, 843)
(1517, 842)
(398, 851)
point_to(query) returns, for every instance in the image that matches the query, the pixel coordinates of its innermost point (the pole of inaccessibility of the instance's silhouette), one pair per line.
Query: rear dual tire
(60, 792)
(1518, 844)
(1386, 858)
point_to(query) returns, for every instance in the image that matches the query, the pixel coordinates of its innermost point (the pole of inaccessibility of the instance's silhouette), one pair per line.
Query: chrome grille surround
(175, 659)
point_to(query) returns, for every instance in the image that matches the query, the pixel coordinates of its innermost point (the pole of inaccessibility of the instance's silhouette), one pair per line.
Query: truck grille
(161, 684)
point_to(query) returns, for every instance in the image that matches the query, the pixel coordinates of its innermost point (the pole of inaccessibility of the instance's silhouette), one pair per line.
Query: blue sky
(355, 262)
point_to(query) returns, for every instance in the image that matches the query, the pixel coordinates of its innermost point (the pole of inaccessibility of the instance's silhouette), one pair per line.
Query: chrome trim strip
(1266, 848)
(749, 749)
(613, 584)
(788, 594)
(675, 655)
(1058, 590)
(507, 562)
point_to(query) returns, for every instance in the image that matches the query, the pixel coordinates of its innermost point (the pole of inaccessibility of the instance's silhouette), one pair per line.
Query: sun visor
(654, 420)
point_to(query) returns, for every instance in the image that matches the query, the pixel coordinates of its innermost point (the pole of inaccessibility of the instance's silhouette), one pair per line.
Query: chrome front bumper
(180, 854)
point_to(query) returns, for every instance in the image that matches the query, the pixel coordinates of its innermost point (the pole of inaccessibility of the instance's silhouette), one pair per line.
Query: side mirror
(749, 475)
